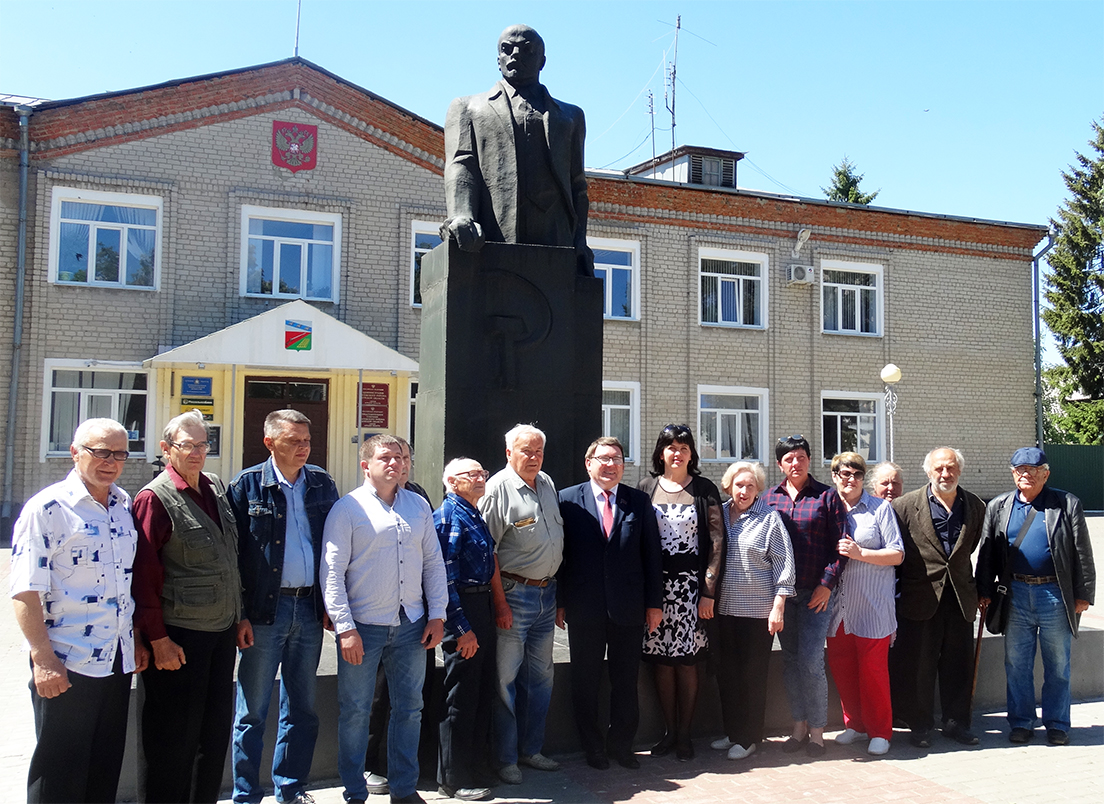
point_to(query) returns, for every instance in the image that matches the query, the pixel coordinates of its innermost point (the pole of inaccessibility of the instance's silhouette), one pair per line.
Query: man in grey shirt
(522, 511)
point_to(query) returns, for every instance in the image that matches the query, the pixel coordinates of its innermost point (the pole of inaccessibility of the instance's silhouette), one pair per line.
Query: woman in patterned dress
(688, 510)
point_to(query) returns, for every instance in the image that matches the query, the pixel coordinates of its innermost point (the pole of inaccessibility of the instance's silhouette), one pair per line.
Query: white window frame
(61, 194)
(879, 423)
(633, 447)
(878, 271)
(50, 365)
(292, 215)
(633, 247)
(764, 419)
(730, 255)
(418, 227)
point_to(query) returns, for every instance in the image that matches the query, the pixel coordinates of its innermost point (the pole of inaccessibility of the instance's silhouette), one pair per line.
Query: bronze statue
(514, 160)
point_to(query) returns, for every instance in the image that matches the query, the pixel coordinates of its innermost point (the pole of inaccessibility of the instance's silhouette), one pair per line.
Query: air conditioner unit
(800, 275)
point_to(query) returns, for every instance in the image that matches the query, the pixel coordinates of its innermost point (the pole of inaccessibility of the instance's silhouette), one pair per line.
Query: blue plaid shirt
(468, 550)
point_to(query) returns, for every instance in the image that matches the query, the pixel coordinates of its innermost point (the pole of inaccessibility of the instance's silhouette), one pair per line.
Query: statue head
(520, 55)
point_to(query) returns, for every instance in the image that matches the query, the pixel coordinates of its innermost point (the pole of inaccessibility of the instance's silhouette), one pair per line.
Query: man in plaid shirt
(815, 520)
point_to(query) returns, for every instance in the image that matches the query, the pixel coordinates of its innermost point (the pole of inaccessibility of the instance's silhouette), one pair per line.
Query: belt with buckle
(297, 591)
(1035, 580)
(471, 590)
(542, 582)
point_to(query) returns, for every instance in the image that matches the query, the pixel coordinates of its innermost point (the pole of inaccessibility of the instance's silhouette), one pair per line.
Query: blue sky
(964, 108)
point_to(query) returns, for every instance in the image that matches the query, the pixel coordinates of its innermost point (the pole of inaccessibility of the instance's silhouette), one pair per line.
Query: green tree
(845, 185)
(1075, 296)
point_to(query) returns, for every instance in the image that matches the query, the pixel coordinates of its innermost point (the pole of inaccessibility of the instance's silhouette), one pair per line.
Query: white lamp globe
(891, 374)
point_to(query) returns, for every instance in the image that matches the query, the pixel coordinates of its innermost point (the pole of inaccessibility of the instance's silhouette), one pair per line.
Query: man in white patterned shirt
(72, 560)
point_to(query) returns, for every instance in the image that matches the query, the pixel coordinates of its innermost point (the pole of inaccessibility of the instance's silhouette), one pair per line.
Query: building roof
(683, 150)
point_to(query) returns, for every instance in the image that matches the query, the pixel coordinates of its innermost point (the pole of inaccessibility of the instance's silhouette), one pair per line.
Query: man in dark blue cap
(1053, 580)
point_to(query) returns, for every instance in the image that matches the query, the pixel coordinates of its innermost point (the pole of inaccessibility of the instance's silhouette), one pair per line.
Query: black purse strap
(1006, 580)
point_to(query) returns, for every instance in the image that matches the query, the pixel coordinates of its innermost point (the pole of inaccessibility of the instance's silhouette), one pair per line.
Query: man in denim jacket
(281, 507)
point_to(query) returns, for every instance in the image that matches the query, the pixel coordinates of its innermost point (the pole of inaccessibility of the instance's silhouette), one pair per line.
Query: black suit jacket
(619, 577)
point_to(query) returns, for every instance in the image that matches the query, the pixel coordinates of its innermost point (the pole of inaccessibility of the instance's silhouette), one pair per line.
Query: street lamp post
(891, 375)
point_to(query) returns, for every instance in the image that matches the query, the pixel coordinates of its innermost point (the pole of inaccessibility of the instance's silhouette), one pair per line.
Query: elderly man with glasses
(1035, 543)
(188, 593)
(72, 553)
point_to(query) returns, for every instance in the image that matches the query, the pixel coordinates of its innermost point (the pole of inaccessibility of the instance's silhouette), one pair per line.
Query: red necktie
(607, 514)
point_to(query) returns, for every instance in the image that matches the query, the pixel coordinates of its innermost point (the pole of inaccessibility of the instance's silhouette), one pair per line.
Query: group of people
(190, 573)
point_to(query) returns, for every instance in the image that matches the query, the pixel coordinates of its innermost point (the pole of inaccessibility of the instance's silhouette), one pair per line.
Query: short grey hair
(275, 421)
(193, 418)
(927, 465)
(91, 427)
(876, 473)
(755, 469)
(451, 467)
(520, 430)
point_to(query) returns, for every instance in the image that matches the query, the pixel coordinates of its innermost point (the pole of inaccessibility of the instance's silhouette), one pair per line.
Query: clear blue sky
(965, 108)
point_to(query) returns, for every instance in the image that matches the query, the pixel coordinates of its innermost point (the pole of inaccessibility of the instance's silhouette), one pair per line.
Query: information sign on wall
(374, 405)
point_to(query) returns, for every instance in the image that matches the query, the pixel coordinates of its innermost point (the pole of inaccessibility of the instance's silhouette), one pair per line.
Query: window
(290, 253)
(851, 299)
(105, 239)
(852, 423)
(731, 423)
(79, 391)
(424, 237)
(621, 416)
(615, 263)
(732, 288)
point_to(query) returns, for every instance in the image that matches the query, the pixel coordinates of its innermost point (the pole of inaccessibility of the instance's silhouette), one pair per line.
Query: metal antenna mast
(674, 68)
(651, 114)
(298, 12)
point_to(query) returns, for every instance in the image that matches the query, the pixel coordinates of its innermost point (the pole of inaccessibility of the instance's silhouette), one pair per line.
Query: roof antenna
(674, 67)
(298, 11)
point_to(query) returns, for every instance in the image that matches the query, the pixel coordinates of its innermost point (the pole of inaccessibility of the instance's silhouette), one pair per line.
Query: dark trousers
(81, 738)
(187, 714)
(465, 727)
(943, 646)
(742, 664)
(589, 640)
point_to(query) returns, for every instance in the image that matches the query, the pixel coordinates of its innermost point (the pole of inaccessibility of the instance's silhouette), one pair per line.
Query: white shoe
(377, 784)
(739, 752)
(848, 736)
(723, 744)
(878, 746)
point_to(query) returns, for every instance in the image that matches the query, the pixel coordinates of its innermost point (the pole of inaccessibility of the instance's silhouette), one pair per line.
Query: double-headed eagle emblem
(293, 145)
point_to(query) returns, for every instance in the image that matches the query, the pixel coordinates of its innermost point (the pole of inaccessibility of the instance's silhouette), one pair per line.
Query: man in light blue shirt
(381, 570)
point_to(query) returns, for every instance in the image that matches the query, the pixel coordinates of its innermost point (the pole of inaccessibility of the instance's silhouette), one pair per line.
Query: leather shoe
(597, 760)
(664, 746)
(409, 798)
(540, 762)
(684, 752)
(793, 745)
(465, 793)
(815, 750)
(954, 730)
(628, 761)
(921, 738)
(1057, 737)
(1021, 736)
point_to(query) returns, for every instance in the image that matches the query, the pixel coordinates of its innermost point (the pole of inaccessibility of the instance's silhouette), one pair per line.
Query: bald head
(520, 55)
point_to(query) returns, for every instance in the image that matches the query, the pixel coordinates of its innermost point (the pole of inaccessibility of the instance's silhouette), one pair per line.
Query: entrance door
(266, 394)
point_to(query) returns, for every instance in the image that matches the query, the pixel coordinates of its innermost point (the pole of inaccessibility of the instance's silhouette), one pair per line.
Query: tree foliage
(1075, 297)
(845, 185)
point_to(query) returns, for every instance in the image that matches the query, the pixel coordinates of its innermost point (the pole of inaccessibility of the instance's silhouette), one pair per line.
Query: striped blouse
(759, 562)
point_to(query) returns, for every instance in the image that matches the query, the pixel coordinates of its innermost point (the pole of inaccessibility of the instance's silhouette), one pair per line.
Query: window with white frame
(732, 423)
(733, 292)
(616, 264)
(290, 253)
(851, 297)
(852, 423)
(621, 416)
(77, 391)
(424, 237)
(105, 239)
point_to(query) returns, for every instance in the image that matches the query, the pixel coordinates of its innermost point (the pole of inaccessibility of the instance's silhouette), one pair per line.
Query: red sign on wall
(374, 405)
(294, 146)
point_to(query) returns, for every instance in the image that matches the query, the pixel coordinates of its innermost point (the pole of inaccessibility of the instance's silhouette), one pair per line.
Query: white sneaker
(739, 752)
(377, 784)
(848, 736)
(723, 744)
(878, 746)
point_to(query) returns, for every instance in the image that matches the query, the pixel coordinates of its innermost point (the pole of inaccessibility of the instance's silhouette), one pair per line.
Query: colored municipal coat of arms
(293, 145)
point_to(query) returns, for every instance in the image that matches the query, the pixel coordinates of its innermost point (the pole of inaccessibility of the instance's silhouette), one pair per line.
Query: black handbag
(996, 616)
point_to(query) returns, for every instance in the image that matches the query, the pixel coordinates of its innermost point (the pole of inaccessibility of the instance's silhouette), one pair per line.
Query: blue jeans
(1037, 611)
(292, 643)
(524, 672)
(803, 676)
(400, 649)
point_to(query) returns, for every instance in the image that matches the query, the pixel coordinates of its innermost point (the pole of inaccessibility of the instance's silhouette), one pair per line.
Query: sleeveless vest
(202, 587)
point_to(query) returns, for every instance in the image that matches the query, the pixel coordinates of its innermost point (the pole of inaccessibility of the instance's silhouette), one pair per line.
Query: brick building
(212, 266)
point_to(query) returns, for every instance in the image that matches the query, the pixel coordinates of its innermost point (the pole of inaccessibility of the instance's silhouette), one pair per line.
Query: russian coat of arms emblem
(294, 145)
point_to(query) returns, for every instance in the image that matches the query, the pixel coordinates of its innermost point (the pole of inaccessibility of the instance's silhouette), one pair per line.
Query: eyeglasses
(474, 474)
(1026, 471)
(103, 454)
(790, 438)
(188, 447)
(608, 460)
(847, 474)
(676, 430)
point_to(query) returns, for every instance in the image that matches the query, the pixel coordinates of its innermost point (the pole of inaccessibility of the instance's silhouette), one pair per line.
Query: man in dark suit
(941, 525)
(610, 584)
(514, 160)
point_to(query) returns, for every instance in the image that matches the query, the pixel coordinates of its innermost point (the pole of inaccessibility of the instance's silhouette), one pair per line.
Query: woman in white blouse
(863, 620)
(756, 579)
